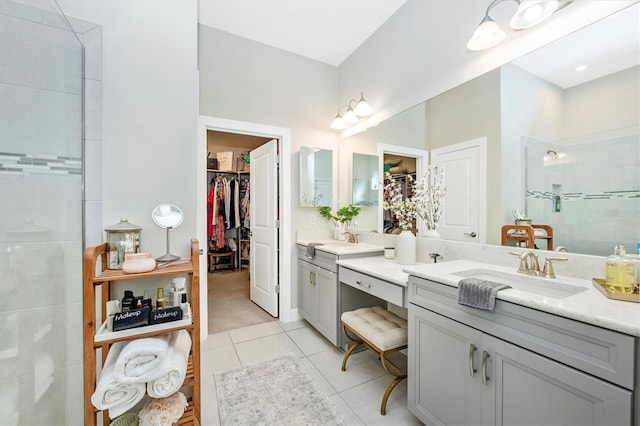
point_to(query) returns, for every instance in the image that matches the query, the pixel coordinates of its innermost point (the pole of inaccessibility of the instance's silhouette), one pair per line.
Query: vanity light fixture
(528, 14)
(352, 114)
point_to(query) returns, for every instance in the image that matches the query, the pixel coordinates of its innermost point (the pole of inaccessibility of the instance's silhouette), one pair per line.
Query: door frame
(283, 134)
(422, 161)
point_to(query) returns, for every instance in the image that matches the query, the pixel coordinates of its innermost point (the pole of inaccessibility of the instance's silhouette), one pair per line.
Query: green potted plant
(341, 220)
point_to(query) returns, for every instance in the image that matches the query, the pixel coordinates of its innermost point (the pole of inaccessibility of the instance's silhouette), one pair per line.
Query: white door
(463, 217)
(263, 209)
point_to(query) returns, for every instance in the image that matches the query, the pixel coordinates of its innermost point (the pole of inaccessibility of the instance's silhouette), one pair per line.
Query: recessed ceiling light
(581, 68)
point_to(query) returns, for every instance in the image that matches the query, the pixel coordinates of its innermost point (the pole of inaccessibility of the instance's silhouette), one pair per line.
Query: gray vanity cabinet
(319, 292)
(319, 298)
(463, 371)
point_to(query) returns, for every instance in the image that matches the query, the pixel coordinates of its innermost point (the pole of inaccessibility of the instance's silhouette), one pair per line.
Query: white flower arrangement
(429, 194)
(163, 411)
(403, 208)
(425, 202)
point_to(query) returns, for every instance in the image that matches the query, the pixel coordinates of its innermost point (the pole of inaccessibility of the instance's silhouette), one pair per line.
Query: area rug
(275, 392)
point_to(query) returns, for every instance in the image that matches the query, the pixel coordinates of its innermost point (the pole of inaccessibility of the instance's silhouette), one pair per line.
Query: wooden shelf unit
(526, 233)
(102, 282)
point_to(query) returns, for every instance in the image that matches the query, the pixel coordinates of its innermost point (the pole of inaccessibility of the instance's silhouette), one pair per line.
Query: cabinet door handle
(472, 367)
(361, 284)
(312, 278)
(485, 356)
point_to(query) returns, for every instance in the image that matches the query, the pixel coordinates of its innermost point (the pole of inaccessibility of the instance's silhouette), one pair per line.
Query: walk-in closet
(228, 231)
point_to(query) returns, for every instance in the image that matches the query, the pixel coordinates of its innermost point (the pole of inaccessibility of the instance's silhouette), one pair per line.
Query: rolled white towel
(172, 381)
(142, 360)
(116, 397)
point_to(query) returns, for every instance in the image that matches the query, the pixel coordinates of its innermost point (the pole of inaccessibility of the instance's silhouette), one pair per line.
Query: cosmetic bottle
(127, 301)
(161, 303)
(177, 289)
(620, 271)
(184, 305)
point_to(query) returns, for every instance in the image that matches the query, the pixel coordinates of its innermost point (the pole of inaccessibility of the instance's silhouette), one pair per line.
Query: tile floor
(351, 391)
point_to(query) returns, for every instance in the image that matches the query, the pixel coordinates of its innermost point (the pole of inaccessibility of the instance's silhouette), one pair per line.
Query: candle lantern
(122, 238)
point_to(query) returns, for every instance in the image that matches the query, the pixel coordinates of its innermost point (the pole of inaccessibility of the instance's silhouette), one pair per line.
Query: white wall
(421, 50)
(251, 82)
(149, 111)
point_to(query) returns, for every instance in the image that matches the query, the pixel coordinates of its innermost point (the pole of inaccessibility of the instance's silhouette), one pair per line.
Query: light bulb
(487, 35)
(532, 12)
(338, 123)
(350, 116)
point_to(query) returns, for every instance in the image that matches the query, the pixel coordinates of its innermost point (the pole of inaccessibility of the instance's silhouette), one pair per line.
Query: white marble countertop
(342, 247)
(379, 267)
(589, 306)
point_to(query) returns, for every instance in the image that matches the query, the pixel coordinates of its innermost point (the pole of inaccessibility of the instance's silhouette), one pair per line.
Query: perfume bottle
(161, 303)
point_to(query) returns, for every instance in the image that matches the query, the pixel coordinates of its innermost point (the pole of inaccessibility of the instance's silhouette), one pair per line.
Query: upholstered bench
(381, 331)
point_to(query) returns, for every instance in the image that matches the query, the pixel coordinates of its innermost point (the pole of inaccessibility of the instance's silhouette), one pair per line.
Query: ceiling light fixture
(553, 155)
(352, 114)
(528, 14)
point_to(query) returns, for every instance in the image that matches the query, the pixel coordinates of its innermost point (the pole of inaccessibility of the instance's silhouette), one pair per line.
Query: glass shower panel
(41, 232)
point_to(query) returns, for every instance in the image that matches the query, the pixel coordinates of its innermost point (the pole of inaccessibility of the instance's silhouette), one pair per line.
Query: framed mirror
(316, 177)
(523, 111)
(366, 180)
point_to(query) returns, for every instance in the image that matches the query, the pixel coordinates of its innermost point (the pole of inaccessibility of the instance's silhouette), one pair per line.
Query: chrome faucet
(528, 262)
(352, 238)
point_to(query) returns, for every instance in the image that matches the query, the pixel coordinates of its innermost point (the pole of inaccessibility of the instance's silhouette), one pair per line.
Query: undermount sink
(545, 287)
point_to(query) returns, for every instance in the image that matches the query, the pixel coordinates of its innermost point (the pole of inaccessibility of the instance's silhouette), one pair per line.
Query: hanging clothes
(210, 199)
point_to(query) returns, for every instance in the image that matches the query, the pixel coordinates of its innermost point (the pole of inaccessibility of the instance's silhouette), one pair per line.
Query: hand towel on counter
(142, 360)
(479, 293)
(116, 397)
(311, 249)
(172, 381)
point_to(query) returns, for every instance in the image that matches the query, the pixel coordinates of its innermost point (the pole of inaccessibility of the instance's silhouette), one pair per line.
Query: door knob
(471, 234)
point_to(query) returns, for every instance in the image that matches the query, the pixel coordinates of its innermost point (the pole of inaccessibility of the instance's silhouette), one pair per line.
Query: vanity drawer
(383, 289)
(321, 258)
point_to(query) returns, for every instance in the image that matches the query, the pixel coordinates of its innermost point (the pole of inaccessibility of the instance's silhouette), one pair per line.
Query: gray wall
(248, 81)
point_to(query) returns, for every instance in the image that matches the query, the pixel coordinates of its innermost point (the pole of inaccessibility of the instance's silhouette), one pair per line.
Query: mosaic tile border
(31, 164)
(605, 195)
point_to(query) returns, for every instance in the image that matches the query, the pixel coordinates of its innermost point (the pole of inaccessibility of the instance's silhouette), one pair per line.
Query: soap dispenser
(620, 271)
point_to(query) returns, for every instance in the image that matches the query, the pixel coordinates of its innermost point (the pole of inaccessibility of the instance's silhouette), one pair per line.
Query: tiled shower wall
(41, 225)
(599, 188)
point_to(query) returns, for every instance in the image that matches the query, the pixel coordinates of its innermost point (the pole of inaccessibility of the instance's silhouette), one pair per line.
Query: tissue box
(160, 316)
(226, 161)
(131, 319)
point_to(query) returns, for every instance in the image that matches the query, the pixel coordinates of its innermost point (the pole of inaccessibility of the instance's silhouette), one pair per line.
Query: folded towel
(539, 232)
(116, 397)
(142, 360)
(479, 293)
(172, 381)
(311, 249)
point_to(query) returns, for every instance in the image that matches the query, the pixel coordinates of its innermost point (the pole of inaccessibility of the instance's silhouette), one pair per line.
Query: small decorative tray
(600, 284)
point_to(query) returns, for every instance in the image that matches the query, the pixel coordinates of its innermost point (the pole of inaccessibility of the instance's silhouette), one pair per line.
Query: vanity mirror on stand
(167, 216)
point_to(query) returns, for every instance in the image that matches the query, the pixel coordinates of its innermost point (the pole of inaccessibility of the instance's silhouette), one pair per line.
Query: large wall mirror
(316, 171)
(563, 144)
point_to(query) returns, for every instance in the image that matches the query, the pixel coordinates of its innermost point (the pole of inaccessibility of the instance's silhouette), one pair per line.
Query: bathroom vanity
(551, 352)
(318, 287)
